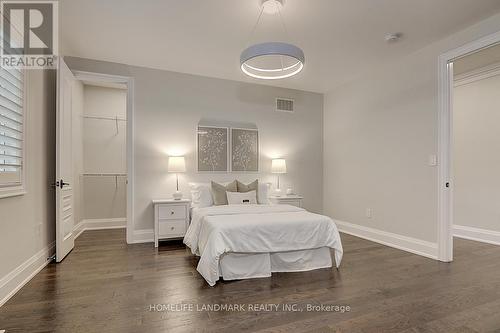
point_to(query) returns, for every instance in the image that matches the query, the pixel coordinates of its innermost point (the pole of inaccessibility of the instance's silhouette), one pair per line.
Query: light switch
(433, 160)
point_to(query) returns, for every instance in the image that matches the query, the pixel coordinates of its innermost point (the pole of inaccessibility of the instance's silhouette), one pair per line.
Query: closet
(100, 155)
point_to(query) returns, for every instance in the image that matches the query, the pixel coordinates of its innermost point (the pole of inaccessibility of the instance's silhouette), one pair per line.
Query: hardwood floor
(105, 285)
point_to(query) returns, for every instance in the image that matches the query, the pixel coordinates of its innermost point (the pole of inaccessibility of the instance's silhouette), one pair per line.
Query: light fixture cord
(283, 23)
(255, 26)
(287, 35)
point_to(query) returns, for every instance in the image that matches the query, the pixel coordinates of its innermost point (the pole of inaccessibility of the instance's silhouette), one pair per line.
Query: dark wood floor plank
(105, 285)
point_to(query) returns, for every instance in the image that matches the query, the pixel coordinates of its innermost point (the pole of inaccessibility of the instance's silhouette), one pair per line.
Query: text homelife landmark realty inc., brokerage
(252, 307)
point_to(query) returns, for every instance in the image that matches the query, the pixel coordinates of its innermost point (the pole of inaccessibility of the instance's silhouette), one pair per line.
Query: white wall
(476, 154)
(27, 222)
(379, 131)
(168, 107)
(104, 151)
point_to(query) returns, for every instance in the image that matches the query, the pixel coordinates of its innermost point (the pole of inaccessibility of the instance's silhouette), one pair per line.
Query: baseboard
(477, 234)
(99, 224)
(409, 244)
(143, 236)
(21, 275)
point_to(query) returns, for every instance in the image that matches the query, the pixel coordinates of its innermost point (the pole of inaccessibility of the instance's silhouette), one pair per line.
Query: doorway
(476, 139)
(95, 134)
(100, 155)
(446, 184)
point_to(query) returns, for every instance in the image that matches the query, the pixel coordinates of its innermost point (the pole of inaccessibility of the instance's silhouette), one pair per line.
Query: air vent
(284, 104)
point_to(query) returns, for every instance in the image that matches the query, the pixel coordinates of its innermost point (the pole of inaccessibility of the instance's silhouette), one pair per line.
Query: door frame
(445, 140)
(129, 82)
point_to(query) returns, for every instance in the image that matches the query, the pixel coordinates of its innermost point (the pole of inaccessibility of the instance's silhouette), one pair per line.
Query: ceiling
(341, 38)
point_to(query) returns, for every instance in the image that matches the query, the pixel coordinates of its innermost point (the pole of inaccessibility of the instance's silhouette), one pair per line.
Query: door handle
(59, 183)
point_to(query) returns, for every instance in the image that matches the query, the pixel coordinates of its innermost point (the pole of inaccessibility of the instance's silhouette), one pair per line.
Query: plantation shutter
(11, 119)
(11, 126)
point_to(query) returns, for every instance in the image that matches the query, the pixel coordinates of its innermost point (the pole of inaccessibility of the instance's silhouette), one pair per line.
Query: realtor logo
(29, 34)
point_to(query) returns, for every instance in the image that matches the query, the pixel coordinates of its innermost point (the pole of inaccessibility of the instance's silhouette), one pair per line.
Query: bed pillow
(260, 188)
(219, 192)
(201, 195)
(242, 188)
(242, 198)
(263, 194)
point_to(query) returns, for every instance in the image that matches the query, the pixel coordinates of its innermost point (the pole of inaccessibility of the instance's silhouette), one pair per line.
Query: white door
(65, 239)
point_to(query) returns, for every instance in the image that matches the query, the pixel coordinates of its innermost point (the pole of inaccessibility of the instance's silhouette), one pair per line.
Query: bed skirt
(237, 266)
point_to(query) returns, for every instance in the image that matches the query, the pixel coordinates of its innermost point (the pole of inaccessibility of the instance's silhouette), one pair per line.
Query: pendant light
(272, 60)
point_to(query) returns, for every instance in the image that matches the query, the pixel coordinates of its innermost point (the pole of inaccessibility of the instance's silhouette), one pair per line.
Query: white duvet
(256, 229)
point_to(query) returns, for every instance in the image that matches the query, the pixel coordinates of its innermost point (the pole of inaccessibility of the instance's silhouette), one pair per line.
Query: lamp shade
(176, 164)
(278, 166)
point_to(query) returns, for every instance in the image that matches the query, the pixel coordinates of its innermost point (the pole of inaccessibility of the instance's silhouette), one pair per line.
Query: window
(11, 131)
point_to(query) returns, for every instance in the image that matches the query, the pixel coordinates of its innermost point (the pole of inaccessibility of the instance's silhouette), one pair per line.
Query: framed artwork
(244, 150)
(213, 149)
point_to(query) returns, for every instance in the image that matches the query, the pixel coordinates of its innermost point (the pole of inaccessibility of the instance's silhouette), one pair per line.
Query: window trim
(7, 191)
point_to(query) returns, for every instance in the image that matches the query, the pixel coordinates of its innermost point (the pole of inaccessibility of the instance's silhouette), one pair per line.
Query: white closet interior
(100, 153)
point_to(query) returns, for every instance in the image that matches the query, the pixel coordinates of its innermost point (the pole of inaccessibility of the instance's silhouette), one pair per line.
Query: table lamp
(278, 166)
(177, 164)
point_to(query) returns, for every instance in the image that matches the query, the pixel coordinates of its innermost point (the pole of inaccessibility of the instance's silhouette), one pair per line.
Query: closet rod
(105, 174)
(105, 118)
(116, 175)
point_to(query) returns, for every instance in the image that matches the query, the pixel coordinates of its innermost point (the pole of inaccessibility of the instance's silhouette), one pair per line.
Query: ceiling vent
(284, 104)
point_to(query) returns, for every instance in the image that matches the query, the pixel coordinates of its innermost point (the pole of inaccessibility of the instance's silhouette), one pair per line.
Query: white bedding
(256, 229)
(238, 266)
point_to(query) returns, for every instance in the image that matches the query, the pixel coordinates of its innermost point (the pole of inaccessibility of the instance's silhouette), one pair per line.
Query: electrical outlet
(432, 160)
(369, 213)
(38, 229)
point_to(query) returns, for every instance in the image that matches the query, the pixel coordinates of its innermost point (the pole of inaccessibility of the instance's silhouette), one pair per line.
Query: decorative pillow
(201, 196)
(242, 188)
(260, 188)
(262, 194)
(242, 198)
(219, 192)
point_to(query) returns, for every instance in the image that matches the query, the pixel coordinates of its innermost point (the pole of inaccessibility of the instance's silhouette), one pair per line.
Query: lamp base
(278, 192)
(177, 195)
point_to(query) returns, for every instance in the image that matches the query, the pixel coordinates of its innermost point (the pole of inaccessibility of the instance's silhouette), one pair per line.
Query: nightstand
(171, 218)
(294, 200)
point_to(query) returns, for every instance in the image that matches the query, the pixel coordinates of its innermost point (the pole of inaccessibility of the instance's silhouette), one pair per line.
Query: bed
(251, 241)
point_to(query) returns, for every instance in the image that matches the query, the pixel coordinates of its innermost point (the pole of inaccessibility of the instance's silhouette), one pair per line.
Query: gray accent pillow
(219, 192)
(254, 186)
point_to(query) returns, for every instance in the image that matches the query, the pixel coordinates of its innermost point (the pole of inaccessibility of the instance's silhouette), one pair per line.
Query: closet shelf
(105, 118)
(115, 119)
(115, 175)
(104, 174)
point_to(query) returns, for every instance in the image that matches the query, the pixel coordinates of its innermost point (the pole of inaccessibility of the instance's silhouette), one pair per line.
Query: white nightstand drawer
(296, 203)
(172, 212)
(294, 200)
(172, 228)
